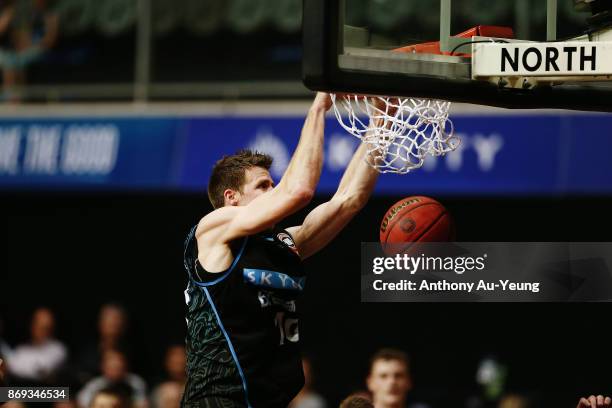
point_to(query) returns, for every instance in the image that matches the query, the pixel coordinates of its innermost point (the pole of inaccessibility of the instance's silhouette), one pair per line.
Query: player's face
(257, 182)
(389, 382)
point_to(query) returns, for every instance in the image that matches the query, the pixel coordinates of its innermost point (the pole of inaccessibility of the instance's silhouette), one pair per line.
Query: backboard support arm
(551, 20)
(445, 25)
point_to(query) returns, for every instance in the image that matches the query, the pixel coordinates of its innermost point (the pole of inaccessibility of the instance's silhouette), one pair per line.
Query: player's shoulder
(215, 220)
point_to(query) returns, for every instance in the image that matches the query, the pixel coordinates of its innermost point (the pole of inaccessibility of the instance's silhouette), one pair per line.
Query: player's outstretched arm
(325, 222)
(293, 192)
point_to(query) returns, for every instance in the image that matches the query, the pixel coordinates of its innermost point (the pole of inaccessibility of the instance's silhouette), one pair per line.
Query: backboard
(507, 53)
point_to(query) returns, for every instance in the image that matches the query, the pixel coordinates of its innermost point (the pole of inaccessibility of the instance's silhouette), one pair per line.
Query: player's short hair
(230, 172)
(389, 354)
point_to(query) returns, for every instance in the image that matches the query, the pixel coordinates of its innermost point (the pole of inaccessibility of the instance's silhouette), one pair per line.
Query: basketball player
(245, 272)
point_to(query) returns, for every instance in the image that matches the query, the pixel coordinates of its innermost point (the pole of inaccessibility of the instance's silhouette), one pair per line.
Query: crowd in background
(101, 368)
(79, 44)
(103, 378)
(99, 374)
(27, 31)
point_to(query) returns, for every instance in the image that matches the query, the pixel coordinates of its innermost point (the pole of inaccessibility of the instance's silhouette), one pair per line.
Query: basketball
(416, 219)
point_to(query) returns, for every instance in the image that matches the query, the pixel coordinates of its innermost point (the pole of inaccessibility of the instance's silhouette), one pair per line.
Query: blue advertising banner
(88, 153)
(498, 154)
(531, 154)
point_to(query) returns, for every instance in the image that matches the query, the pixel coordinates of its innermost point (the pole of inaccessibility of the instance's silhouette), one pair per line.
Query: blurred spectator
(595, 402)
(112, 326)
(491, 376)
(115, 374)
(30, 30)
(356, 401)
(362, 393)
(1, 373)
(14, 404)
(168, 395)
(40, 360)
(176, 364)
(110, 397)
(307, 398)
(389, 379)
(7, 54)
(513, 401)
(4, 347)
(65, 404)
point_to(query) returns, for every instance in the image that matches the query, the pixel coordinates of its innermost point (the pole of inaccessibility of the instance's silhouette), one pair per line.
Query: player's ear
(231, 197)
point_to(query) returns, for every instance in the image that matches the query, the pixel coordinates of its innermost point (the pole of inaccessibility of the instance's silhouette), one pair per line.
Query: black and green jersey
(242, 325)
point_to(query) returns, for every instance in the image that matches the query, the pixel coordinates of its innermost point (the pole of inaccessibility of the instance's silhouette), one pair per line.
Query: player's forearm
(305, 167)
(358, 181)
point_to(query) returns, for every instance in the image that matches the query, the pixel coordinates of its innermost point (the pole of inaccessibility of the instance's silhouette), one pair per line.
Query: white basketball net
(399, 132)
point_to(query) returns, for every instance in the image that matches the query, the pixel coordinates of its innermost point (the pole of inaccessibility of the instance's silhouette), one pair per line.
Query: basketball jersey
(242, 325)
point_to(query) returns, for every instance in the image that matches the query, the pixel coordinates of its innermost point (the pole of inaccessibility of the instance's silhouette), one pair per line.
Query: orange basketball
(416, 219)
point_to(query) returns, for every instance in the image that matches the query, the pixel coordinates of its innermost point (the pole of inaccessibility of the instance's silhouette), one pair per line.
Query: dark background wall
(74, 252)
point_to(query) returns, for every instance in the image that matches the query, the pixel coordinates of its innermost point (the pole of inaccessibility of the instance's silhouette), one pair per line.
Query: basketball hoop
(400, 132)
